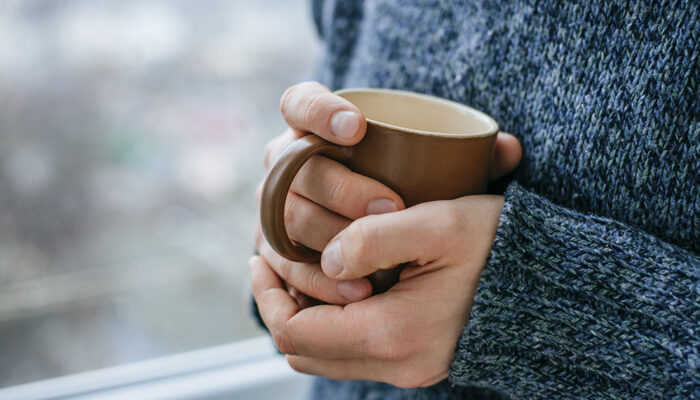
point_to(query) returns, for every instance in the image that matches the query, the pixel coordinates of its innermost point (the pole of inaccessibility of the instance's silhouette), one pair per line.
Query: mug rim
(479, 114)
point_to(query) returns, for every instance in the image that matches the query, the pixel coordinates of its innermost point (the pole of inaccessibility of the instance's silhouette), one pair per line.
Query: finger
(303, 300)
(506, 156)
(423, 234)
(276, 306)
(310, 224)
(311, 107)
(331, 331)
(313, 332)
(324, 331)
(400, 374)
(335, 187)
(276, 146)
(309, 279)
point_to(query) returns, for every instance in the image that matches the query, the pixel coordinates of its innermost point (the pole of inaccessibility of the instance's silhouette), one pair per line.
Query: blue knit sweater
(591, 289)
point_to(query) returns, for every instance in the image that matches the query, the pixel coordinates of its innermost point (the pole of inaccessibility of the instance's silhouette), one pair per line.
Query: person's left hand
(406, 336)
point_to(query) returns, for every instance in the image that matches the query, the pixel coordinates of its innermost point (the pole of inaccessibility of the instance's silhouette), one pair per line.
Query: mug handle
(276, 187)
(274, 195)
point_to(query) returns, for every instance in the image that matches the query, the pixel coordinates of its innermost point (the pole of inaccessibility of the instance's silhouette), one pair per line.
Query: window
(131, 136)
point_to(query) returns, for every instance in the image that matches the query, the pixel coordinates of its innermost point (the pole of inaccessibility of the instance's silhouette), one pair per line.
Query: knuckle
(279, 264)
(275, 147)
(267, 154)
(283, 341)
(287, 97)
(315, 283)
(284, 268)
(302, 99)
(312, 108)
(360, 240)
(339, 192)
(291, 207)
(298, 216)
(295, 363)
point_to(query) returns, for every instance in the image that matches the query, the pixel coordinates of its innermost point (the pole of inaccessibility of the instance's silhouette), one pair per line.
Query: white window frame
(249, 369)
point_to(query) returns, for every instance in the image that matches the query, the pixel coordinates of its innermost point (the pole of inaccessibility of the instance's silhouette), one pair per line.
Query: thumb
(382, 241)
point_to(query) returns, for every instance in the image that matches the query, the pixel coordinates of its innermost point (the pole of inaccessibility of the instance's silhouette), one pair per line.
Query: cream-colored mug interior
(420, 113)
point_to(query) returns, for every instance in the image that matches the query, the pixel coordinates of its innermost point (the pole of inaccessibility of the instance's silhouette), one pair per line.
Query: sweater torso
(602, 95)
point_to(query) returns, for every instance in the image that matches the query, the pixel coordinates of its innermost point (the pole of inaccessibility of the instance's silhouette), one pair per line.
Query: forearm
(571, 305)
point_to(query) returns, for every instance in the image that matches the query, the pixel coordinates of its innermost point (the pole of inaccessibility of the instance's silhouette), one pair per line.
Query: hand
(326, 197)
(406, 336)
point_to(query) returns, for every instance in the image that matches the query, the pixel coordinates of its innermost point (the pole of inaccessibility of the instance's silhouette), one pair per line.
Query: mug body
(422, 147)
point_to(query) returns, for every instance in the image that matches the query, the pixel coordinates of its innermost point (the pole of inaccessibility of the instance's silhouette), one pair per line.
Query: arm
(539, 307)
(563, 310)
(571, 305)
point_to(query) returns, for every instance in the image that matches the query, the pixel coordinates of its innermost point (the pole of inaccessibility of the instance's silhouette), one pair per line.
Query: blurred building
(131, 135)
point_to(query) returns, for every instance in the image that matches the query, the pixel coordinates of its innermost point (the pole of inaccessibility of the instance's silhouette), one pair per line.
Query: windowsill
(246, 369)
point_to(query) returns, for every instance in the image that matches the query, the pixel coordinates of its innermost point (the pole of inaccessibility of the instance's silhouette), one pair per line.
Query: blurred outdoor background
(131, 137)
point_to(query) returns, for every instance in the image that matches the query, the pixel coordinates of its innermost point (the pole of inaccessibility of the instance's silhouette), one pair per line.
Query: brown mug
(424, 148)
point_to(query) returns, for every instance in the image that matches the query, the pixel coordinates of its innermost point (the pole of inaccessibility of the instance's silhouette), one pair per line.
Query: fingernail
(381, 206)
(344, 124)
(354, 290)
(332, 260)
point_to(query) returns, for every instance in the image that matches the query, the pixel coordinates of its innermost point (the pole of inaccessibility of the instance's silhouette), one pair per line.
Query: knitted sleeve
(576, 306)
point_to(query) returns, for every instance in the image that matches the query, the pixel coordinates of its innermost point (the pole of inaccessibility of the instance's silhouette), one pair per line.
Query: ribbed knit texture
(572, 304)
(592, 287)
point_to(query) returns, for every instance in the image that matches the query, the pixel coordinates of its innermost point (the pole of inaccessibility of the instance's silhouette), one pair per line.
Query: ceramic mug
(424, 148)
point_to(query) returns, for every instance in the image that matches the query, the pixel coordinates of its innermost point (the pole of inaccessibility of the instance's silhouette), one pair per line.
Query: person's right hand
(325, 197)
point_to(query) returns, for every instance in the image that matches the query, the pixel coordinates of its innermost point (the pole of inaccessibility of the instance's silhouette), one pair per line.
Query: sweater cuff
(576, 306)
